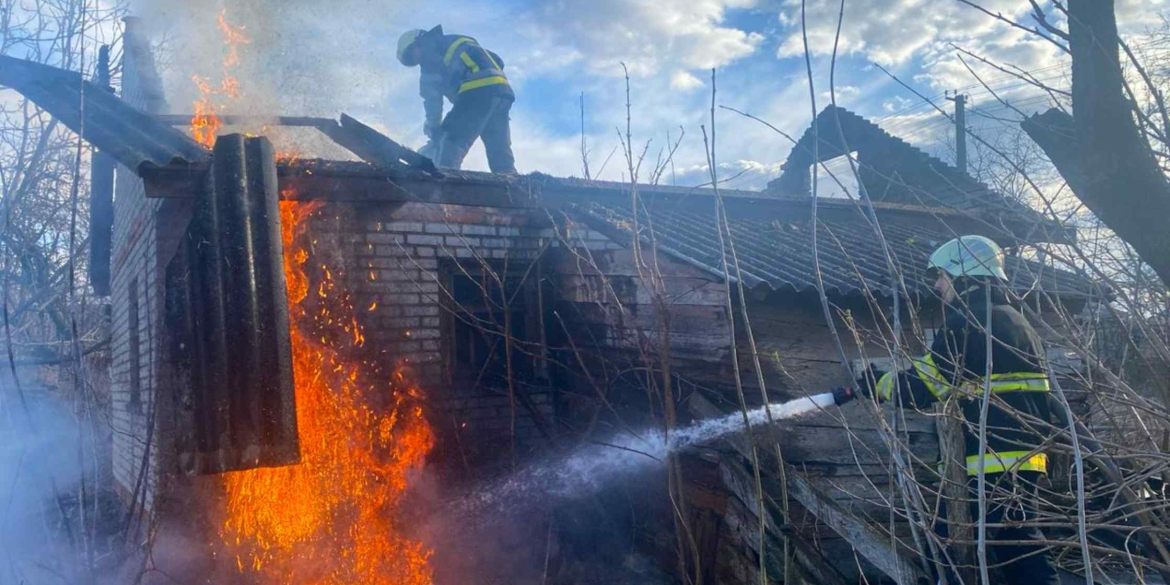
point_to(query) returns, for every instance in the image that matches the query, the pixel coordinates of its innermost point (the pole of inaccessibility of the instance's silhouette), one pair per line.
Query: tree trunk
(1100, 151)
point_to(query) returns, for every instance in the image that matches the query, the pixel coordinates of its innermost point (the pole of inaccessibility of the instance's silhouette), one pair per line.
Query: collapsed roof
(890, 169)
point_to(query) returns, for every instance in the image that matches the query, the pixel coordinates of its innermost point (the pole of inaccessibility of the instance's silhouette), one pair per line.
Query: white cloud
(843, 93)
(895, 103)
(739, 174)
(887, 31)
(1136, 14)
(647, 35)
(684, 81)
(919, 41)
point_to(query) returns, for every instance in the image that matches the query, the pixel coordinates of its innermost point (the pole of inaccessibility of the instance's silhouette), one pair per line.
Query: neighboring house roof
(777, 253)
(891, 169)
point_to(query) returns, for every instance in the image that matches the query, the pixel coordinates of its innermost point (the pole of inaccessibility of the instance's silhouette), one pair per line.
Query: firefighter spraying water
(1009, 457)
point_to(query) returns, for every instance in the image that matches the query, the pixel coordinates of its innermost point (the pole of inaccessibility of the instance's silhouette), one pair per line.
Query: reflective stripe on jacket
(1000, 383)
(479, 68)
(453, 65)
(956, 366)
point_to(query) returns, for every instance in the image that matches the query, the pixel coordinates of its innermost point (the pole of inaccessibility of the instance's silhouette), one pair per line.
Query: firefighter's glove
(843, 395)
(867, 381)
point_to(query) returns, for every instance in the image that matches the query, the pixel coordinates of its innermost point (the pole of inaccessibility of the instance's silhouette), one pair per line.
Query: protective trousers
(478, 114)
(1019, 564)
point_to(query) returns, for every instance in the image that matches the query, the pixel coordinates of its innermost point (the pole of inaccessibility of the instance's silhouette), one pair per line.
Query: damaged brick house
(591, 295)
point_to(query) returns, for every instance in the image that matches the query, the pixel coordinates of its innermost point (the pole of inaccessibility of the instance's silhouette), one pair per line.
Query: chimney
(141, 84)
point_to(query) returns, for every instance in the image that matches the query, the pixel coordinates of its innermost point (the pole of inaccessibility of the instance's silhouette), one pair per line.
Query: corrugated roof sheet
(891, 169)
(777, 254)
(129, 135)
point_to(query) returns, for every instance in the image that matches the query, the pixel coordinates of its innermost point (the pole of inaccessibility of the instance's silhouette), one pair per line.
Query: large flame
(205, 123)
(332, 518)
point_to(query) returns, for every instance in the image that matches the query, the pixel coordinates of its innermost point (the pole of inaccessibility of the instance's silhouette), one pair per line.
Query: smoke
(42, 464)
(542, 539)
(511, 529)
(304, 58)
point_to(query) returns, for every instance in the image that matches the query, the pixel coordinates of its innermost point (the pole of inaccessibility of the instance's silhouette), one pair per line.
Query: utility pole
(960, 131)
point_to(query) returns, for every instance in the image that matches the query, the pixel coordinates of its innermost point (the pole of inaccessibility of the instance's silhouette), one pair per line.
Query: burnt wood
(896, 562)
(101, 198)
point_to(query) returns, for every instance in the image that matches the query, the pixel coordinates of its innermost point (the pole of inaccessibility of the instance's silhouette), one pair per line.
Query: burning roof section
(143, 142)
(891, 169)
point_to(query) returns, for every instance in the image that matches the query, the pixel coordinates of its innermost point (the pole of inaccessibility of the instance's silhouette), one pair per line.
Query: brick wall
(135, 280)
(399, 261)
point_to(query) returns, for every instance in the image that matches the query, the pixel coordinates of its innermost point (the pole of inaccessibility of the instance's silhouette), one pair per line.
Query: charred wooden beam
(328, 182)
(368, 144)
(101, 198)
(229, 120)
(375, 147)
(871, 544)
(317, 180)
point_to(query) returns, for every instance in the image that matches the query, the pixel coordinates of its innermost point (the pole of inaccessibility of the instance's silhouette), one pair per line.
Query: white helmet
(969, 256)
(405, 42)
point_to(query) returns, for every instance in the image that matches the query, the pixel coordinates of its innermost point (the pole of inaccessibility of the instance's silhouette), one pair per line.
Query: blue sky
(322, 58)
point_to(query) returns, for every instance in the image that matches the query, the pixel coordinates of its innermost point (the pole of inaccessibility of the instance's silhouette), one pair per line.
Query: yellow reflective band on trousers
(1008, 461)
(455, 47)
(494, 80)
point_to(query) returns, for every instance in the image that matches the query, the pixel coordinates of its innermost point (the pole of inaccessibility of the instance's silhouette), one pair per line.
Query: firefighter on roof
(472, 78)
(970, 280)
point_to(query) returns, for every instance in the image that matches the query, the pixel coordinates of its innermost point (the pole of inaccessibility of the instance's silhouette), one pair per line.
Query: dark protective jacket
(454, 65)
(957, 363)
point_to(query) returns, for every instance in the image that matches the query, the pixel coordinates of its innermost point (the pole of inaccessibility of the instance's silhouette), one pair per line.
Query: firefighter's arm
(910, 386)
(431, 90)
(927, 380)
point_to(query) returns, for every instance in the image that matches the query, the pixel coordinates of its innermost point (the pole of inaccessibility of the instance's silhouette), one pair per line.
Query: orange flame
(331, 518)
(233, 37)
(205, 123)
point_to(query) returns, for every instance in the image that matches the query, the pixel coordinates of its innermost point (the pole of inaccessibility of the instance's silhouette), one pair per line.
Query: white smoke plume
(304, 58)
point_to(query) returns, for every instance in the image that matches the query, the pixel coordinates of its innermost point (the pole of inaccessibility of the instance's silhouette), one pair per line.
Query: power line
(978, 88)
(900, 127)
